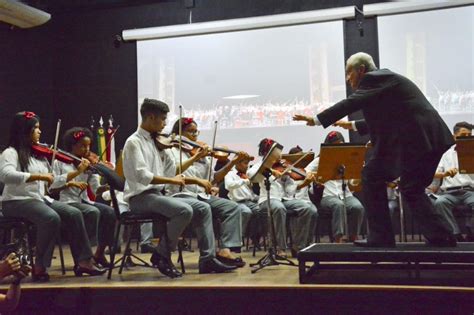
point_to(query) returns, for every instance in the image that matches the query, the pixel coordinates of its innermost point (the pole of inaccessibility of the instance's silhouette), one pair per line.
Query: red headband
(78, 135)
(29, 115)
(332, 135)
(187, 121)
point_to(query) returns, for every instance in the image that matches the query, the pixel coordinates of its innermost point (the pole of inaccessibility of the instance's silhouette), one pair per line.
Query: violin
(45, 151)
(219, 153)
(285, 167)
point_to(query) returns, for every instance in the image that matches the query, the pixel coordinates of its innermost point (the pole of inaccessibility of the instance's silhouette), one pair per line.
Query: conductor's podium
(405, 257)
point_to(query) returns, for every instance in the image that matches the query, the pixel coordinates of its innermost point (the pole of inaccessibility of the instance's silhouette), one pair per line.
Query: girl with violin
(25, 171)
(195, 163)
(332, 200)
(303, 213)
(73, 180)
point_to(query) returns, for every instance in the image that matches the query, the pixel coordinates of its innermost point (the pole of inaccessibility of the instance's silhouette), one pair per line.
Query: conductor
(409, 138)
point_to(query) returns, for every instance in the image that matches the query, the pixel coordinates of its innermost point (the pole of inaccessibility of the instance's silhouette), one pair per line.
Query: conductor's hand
(451, 172)
(344, 124)
(309, 120)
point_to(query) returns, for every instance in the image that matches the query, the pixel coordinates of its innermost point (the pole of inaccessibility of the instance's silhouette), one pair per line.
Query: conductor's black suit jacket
(402, 124)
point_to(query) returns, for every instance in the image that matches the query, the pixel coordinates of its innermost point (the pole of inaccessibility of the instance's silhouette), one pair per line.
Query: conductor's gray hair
(360, 58)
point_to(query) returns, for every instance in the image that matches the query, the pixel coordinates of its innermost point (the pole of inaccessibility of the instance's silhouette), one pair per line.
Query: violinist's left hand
(309, 120)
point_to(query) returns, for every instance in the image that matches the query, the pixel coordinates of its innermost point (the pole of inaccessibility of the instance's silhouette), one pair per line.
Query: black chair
(134, 220)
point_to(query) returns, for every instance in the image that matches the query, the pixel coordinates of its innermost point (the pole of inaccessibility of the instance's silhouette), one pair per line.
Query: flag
(111, 157)
(101, 144)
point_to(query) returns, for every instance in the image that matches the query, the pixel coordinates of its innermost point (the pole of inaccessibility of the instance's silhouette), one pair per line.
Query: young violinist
(73, 181)
(150, 170)
(25, 174)
(197, 165)
(332, 200)
(281, 206)
(240, 190)
(297, 188)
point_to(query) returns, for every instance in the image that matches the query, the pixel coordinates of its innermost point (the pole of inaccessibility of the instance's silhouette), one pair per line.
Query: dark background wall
(72, 68)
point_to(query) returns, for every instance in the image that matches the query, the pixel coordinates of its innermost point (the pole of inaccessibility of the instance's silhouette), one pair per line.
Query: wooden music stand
(292, 158)
(341, 162)
(465, 150)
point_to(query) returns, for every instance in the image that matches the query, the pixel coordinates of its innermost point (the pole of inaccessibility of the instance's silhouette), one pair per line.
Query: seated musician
(198, 165)
(281, 206)
(456, 188)
(25, 173)
(333, 200)
(149, 171)
(240, 190)
(73, 182)
(298, 188)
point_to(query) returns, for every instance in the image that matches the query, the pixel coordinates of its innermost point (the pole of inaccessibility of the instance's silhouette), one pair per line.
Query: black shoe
(164, 265)
(238, 262)
(449, 241)
(79, 271)
(40, 278)
(367, 243)
(459, 238)
(147, 248)
(214, 265)
(469, 238)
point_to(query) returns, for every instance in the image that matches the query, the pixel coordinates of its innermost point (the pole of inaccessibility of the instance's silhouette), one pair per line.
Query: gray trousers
(228, 213)
(445, 203)
(179, 215)
(100, 222)
(355, 214)
(247, 210)
(303, 215)
(201, 223)
(47, 218)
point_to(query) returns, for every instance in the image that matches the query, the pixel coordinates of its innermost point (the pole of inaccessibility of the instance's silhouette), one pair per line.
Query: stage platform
(410, 258)
(274, 290)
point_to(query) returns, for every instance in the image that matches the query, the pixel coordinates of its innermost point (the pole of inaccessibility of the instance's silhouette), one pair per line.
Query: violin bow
(55, 145)
(297, 161)
(213, 145)
(180, 131)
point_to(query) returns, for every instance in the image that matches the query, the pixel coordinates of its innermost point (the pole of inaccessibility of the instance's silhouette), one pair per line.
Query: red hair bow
(332, 135)
(187, 121)
(29, 115)
(78, 135)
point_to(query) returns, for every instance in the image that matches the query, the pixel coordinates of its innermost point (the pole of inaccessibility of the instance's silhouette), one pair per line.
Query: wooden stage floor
(275, 284)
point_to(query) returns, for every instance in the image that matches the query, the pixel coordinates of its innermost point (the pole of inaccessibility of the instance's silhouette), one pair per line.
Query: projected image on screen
(435, 49)
(253, 81)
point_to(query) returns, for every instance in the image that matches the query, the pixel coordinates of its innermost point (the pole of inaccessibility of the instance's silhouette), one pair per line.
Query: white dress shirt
(142, 161)
(199, 169)
(240, 189)
(16, 187)
(73, 194)
(332, 188)
(277, 190)
(450, 160)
